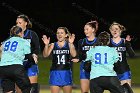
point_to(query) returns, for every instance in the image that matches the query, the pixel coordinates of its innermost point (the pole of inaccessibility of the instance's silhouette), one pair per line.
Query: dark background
(48, 15)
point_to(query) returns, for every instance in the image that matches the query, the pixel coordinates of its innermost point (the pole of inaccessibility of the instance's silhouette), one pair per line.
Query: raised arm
(48, 47)
(71, 45)
(129, 48)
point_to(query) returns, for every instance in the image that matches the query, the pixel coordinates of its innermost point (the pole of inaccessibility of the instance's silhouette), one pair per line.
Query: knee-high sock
(127, 88)
(35, 88)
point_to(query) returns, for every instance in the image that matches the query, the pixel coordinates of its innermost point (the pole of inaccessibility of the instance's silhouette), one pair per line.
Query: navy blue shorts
(125, 76)
(33, 70)
(61, 78)
(84, 74)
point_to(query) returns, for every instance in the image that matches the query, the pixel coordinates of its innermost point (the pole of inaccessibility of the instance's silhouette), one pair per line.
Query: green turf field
(44, 66)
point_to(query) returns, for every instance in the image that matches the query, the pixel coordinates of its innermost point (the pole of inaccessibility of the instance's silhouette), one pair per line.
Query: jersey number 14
(61, 59)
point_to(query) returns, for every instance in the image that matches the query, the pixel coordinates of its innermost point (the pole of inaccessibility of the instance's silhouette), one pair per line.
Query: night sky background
(48, 15)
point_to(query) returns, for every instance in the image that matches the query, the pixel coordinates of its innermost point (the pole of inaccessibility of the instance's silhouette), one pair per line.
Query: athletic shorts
(111, 83)
(14, 74)
(60, 78)
(84, 74)
(124, 76)
(33, 70)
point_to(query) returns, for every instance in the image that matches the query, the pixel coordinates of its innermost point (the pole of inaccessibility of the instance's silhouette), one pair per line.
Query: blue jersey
(61, 74)
(32, 37)
(14, 50)
(83, 46)
(61, 57)
(102, 58)
(121, 66)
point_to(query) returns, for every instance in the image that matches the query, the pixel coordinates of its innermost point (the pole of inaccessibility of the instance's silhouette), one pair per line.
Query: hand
(46, 39)
(128, 38)
(75, 60)
(71, 38)
(35, 57)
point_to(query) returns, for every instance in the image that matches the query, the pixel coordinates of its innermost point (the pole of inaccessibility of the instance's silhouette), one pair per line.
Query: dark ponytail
(26, 19)
(93, 24)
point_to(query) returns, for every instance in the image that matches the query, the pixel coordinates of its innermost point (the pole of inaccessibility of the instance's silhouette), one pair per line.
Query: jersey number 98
(12, 46)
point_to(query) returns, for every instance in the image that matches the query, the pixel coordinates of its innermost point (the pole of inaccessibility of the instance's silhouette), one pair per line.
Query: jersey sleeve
(89, 55)
(129, 49)
(79, 52)
(115, 55)
(27, 47)
(36, 43)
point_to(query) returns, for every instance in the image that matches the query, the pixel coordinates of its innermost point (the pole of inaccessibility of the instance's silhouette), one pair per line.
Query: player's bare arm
(48, 47)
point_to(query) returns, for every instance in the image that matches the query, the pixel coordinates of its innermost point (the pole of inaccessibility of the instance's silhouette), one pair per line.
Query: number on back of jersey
(10, 46)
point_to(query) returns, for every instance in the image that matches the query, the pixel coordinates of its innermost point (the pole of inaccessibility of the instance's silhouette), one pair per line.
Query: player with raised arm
(60, 71)
(123, 46)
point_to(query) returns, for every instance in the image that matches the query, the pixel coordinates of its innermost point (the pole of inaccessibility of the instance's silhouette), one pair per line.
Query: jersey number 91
(99, 59)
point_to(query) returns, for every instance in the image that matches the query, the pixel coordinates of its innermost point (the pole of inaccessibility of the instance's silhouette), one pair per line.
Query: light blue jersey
(102, 58)
(14, 50)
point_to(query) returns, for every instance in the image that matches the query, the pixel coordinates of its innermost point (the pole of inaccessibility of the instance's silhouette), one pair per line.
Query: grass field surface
(44, 66)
